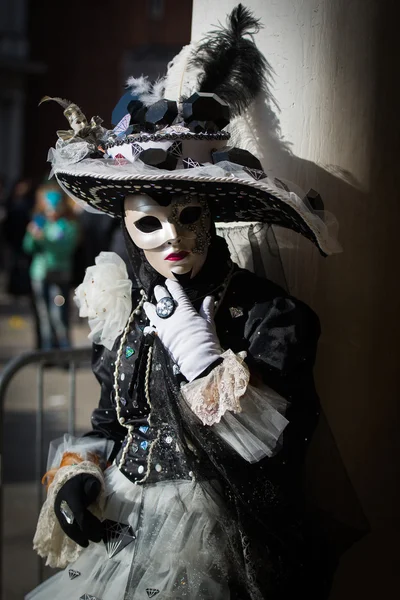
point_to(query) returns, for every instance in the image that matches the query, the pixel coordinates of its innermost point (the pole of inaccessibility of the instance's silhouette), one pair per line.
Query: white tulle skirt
(181, 528)
(180, 550)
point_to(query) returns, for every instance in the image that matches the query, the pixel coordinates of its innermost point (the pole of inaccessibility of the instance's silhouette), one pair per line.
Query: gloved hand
(79, 492)
(188, 336)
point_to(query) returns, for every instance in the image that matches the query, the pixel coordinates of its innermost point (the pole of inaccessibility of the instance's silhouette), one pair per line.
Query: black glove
(79, 492)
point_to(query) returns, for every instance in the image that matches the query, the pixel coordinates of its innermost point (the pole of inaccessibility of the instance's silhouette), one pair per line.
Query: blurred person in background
(18, 211)
(51, 238)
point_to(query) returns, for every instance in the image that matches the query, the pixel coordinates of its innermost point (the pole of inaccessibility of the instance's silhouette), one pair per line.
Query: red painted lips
(175, 256)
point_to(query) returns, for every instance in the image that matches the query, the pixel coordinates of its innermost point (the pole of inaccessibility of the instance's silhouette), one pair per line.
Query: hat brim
(230, 198)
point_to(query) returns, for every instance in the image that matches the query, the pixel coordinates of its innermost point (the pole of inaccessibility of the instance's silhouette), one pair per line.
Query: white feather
(138, 85)
(180, 79)
(258, 131)
(155, 94)
(244, 134)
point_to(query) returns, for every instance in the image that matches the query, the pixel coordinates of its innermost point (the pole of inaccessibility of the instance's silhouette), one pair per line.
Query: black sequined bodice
(279, 334)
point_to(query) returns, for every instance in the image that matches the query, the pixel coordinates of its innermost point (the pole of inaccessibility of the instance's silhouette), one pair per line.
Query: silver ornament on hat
(81, 129)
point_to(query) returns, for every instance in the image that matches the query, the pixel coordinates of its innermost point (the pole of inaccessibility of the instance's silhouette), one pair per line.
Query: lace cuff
(220, 391)
(50, 541)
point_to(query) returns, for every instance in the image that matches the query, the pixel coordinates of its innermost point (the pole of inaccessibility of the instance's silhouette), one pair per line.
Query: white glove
(188, 336)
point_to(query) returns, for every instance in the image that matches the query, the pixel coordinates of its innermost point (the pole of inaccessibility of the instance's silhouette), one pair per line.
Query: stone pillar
(335, 67)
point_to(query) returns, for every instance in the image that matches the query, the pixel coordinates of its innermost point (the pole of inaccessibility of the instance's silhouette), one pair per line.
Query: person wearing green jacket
(51, 238)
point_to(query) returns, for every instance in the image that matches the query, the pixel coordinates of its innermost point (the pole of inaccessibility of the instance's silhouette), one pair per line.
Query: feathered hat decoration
(231, 65)
(171, 137)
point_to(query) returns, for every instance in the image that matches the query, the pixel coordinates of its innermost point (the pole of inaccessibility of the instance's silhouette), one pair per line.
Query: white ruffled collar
(105, 297)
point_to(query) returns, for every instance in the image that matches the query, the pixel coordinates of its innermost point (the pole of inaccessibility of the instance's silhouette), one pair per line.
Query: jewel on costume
(122, 126)
(129, 352)
(189, 163)
(143, 428)
(120, 159)
(157, 157)
(162, 113)
(176, 149)
(88, 597)
(256, 174)
(73, 574)
(137, 112)
(151, 592)
(237, 156)
(165, 307)
(207, 108)
(136, 150)
(236, 312)
(117, 536)
(67, 512)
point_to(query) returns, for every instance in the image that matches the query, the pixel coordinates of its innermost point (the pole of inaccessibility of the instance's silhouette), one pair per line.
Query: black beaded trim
(157, 137)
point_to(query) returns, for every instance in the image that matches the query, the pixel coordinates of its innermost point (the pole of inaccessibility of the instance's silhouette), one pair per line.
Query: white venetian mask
(174, 238)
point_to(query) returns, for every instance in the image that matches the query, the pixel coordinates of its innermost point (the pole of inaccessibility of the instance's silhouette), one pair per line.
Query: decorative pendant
(151, 592)
(143, 428)
(129, 352)
(117, 536)
(73, 574)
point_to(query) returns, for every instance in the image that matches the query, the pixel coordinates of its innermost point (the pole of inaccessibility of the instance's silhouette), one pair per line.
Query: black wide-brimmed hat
(172, 137)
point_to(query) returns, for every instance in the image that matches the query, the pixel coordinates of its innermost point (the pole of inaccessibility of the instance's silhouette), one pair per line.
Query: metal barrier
(74, 358)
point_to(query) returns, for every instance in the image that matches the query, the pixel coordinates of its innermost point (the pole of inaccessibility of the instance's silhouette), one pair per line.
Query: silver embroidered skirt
(178, 549)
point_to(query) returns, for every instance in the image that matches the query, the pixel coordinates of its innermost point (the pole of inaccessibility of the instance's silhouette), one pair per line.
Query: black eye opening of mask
(148, 224)
(190, 215)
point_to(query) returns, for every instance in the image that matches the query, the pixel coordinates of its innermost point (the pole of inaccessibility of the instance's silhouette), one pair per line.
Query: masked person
(188, 484)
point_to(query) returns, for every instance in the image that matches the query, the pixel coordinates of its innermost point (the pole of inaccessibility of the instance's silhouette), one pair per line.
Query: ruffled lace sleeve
(211, 396)
(249, 419)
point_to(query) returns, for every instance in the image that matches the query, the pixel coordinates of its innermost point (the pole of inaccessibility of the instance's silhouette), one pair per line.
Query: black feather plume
(232, 66)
